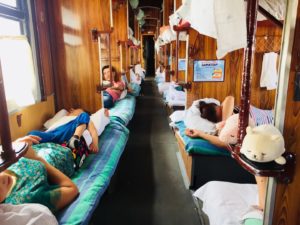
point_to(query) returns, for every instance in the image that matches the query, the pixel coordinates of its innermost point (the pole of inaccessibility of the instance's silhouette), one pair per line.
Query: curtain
(20, 80)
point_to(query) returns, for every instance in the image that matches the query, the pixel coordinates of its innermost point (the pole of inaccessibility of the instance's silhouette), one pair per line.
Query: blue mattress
(199, 145)
(123, 110)
(136, 89)
(94, 176)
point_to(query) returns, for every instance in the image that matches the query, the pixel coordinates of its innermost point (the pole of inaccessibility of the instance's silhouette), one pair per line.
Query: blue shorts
(107, 100)
(63, 133)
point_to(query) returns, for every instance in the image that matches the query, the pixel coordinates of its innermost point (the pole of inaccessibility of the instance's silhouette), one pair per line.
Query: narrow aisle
(149, 188)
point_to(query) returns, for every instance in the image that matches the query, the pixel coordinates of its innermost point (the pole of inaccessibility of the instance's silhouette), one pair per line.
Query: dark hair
(113, 70)
(208, 111)
(88, 112)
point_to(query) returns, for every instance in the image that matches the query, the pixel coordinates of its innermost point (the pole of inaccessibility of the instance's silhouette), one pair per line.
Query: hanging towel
(224, 20)
(269, 74)
(230, 18)
(184, 10)
(201, 17)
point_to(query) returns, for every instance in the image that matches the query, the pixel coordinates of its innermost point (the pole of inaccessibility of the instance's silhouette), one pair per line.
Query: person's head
(209, 111)
(106, 72)
(6, 184)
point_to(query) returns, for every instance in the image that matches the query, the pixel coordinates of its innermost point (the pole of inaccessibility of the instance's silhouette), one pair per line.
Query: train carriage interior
(149, 112)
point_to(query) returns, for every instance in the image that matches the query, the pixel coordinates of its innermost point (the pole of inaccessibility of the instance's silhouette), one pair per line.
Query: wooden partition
(120, 32)
(75, 55)
(204, 48)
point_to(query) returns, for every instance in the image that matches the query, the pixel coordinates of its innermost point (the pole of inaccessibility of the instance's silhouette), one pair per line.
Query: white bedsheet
(26, 214)
(227, 203)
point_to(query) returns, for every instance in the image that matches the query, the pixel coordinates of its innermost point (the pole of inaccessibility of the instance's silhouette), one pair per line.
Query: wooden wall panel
(168, 10)
(75, 55)
(120, 32)
(260, 97)
(287, 203)
(42, 26)
(32, 117)
(178, 4)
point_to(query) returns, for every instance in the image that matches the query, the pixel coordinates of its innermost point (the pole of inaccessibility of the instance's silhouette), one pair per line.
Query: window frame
(25, 14)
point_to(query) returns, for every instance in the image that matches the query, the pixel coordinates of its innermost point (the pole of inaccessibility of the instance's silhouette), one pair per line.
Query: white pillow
(56, 117)
(100, 120)
(226, 203)
(177, 116)
(193, 119)
(123, 94)
(196, 122)
(61, 121)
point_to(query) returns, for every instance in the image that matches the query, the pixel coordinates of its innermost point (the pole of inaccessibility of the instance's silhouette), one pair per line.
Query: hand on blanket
(29, 139)
(93, 148)
(193, 133)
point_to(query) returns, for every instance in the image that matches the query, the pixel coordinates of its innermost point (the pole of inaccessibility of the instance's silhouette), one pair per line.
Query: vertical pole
(121, 57)
(177, 55)
(187, 43)
(127, 56)
(109, 58)
(252, 6)
(100, 69)
(111, 18)
(8, 154)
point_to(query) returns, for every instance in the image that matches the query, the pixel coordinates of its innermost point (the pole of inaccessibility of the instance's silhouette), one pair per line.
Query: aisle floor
(148, 188)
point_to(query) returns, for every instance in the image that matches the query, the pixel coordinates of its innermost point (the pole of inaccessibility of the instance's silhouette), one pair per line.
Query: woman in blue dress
(33, 180)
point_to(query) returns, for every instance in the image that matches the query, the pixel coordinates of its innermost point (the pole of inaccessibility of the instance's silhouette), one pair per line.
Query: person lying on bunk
(69, 130)
(134, 76)
(160, 73)
(214, 113)
(113, 93)
(33, 180)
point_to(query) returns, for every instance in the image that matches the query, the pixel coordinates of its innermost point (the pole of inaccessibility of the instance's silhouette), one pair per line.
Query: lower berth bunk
(226, 203)
(123, 110)
(205, 162)
(93, 178)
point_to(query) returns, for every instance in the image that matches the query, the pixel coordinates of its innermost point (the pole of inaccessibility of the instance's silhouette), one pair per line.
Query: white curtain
(20, 82)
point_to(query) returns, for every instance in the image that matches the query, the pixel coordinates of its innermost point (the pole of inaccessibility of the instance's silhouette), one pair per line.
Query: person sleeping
(33, 180)
(217, 113)
(69, 130)
(205, 113)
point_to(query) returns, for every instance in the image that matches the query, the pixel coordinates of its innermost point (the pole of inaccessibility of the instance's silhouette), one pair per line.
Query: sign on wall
(181, 65)
(209, 70)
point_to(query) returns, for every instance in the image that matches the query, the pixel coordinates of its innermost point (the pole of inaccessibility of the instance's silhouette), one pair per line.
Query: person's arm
(227, 107)
(30, 139)
(118, 86)
(94, 145)
(211, 138)
(67, 189)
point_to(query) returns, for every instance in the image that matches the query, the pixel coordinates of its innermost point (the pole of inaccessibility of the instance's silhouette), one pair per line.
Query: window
(17, 54)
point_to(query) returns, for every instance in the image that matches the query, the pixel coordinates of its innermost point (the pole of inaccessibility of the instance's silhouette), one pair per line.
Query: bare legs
(262, 189)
